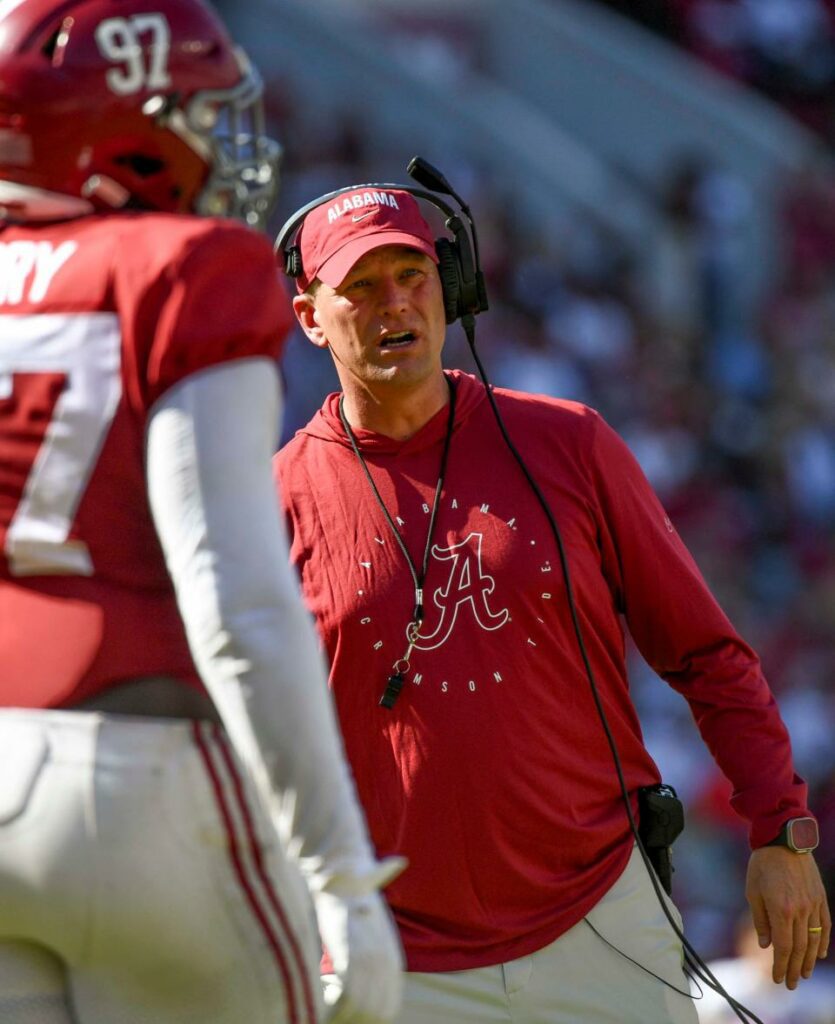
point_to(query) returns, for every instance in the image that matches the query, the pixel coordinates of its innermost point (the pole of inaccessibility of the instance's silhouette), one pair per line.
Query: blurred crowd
(732, 415)
(784, 48)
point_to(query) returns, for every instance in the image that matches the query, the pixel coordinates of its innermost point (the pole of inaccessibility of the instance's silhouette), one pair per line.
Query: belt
(152, 697)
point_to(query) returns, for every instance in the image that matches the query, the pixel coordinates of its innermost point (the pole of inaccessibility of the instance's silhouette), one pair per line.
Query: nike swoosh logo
(361, 216)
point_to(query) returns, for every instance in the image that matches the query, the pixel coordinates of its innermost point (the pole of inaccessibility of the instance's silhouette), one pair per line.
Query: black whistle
(394, 684)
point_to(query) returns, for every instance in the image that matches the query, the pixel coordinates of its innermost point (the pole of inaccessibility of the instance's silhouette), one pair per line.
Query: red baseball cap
(339, 232)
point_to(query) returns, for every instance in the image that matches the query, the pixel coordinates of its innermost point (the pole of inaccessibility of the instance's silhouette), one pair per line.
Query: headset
(465, 295)
(462, 281)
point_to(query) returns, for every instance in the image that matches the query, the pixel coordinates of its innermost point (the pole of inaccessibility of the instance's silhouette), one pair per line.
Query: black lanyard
(394, 683)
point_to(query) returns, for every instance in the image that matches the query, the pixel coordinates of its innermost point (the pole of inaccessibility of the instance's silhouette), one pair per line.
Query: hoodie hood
(327, 426)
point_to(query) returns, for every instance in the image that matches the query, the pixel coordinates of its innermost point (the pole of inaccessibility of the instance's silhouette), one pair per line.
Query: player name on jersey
(27, 269)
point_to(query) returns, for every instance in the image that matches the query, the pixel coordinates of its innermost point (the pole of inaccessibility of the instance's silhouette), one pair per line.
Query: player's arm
(210, 439)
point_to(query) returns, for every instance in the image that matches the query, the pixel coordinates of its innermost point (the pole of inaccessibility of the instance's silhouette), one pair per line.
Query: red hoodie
(492, 773)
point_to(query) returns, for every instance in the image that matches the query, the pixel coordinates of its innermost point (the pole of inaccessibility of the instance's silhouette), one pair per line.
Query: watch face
(802, 833)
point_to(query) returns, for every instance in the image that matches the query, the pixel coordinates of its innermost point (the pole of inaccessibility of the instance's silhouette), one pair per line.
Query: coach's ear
(305, 310)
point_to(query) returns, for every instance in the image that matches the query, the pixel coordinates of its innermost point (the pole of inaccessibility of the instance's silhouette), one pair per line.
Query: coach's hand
(788, 906)
(360, 935)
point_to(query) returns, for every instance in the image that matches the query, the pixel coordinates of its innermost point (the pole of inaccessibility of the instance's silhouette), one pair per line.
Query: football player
(172, 783)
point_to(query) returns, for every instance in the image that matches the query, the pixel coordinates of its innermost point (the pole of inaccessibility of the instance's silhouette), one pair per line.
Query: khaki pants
(140, 882)
(579, 979)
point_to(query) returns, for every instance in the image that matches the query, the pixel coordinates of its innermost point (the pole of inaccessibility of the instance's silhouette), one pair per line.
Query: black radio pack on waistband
(661, 822)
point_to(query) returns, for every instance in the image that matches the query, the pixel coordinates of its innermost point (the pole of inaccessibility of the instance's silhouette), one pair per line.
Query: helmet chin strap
(24, 202)
(106, 190)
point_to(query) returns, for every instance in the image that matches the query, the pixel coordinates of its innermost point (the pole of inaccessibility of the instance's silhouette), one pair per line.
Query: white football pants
(140, 883)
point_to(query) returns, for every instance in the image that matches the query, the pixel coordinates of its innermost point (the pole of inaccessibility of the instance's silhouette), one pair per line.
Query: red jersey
(99, 316)
(492, 772)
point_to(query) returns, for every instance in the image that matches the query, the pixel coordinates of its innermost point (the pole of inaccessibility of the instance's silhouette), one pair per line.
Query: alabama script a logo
(467, 586)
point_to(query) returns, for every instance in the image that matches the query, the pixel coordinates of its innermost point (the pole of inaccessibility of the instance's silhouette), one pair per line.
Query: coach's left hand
(787, 898)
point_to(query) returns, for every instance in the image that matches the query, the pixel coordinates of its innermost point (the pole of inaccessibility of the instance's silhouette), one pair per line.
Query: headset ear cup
(450, 276)
(293, 262)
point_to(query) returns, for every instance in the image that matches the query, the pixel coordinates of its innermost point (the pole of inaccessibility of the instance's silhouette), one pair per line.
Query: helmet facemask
(226, 129)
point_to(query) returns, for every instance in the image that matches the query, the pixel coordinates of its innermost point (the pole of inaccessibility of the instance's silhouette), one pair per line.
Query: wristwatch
(798, 834)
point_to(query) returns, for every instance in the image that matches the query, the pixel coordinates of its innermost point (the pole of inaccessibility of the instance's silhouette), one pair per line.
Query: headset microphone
(430, 177)
(474, 298)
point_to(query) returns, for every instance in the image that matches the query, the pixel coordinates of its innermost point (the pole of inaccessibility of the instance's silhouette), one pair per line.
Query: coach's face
(384, 324)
